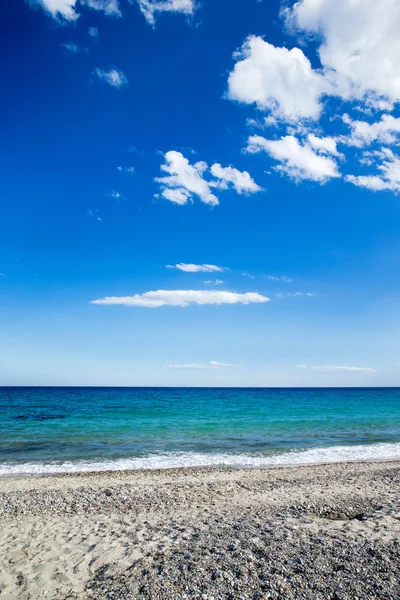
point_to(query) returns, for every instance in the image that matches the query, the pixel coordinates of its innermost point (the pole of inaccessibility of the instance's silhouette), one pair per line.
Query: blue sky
(200, 193)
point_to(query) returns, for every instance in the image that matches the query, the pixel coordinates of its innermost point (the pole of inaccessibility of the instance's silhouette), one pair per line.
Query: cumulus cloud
(389, 177)
(359, 45)
(182, 298)
(325, 145)
(385, 131)
(150, 8)
(278, 80)
(332, 369)
(241, 181)
(184, 180)
(191, 268)
(298, 160)
(113, 77)
(211, 365)
(67, 9)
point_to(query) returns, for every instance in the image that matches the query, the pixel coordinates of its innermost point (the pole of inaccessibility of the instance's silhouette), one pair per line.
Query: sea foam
(194, 459)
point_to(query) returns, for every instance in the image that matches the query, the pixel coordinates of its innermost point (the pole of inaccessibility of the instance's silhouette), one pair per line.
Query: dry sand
(310, 532)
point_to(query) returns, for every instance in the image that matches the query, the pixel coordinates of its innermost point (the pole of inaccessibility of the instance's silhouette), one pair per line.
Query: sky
(200, 193)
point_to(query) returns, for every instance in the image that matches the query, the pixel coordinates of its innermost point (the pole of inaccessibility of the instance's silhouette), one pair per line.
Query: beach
(295, 532)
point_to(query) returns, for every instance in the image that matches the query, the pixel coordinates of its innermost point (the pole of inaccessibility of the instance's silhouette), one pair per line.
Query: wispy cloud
(333, 369)
(214, 282)
(182, 298)
(71, 48)
(94, 214)
(150, 8)
(127, 170)
(296, 295)
(301, 366)
(93, 32)
(113, 77)
(211, 365)
(282, 278)
(191, 268)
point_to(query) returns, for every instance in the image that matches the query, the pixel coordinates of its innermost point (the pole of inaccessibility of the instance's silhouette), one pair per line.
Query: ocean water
(53, 430)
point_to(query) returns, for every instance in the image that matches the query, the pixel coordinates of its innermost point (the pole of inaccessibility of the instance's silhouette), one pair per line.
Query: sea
(45, 430)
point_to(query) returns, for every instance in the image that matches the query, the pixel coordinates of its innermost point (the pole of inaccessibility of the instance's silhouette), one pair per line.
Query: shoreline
(192, 469)
(296, 533)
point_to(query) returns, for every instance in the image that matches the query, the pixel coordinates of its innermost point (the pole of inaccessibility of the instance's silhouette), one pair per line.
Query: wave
(196, 459)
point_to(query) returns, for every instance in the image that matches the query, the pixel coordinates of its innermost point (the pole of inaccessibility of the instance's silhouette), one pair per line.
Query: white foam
(194, 459)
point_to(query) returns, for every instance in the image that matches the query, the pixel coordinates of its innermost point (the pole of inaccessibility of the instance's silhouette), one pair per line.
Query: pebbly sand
(311, 532)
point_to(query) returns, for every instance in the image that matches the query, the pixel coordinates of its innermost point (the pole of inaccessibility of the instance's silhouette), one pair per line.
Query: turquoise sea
(52, 430)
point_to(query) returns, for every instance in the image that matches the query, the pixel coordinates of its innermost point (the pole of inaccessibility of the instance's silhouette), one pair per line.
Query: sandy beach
(309, 532)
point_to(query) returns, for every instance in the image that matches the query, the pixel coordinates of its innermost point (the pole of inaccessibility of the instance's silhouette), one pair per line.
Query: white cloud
(331, 369)
(211, 365)
(66, 9)
(150, 8)
(298, 161)
(182, 298)
(214, 282)
(116, 195)
(360, 45)
(279, 80)
(296, 295)
(109, 7)
(325, 145)
(385, 131)
(113, 77)
(282, 278)
(191, 268)
(58, 8)
(389, 179)
(186, 180)
(127, 170)
(301, 366)
(71, 47)
(241, 181)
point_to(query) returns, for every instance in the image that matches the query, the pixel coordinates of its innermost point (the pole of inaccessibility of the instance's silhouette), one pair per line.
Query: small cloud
(93, 32)
(296, 295)
(117, 196)
(301, 366)
(70, 47)
(94, 214)
(281, 278)
(113, 77)
(191, 268)
(248, 275)
(333, 369)
(127, 170)
(211, 365)
(214, 282)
